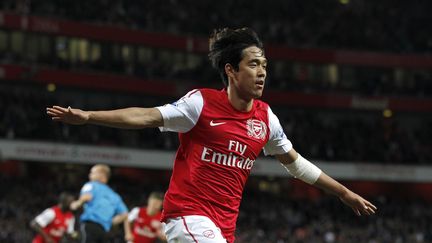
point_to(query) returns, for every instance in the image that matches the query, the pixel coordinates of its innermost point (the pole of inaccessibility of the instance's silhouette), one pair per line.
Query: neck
(150, 211)
(238, 102)
(103, 181)
(62, 208)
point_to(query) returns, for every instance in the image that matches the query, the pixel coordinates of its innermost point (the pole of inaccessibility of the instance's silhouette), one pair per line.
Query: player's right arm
(81, 200)
(42, 220)
(86, 195)
(179, 116)
(128, 224)
(127, 118)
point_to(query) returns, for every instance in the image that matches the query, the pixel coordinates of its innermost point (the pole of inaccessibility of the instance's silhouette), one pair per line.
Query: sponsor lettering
(230, 159)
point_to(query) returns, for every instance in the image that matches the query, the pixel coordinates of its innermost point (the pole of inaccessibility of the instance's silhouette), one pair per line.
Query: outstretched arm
(306, 171)
(128, 231)
(119, 218)
(128, 118)
(81, 200)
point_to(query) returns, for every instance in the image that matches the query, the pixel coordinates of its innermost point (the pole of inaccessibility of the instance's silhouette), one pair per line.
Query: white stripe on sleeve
(133, 214)
(45, 218)
(71, 225)
(278, 142)
(182, 115)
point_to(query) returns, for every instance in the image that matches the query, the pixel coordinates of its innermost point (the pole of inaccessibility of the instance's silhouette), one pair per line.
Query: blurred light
(387, 113)
(344, 1)
(51, 87)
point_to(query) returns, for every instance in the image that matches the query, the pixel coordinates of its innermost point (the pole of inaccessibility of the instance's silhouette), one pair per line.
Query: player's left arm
(121, 212)
(71, 232)
(119, 218)
(304, 170)
(279, 145)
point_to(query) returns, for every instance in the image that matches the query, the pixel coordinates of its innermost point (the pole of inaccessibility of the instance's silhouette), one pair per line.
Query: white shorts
(192, 229)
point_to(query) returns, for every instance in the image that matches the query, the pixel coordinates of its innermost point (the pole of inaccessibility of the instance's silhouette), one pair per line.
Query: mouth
(259, 83)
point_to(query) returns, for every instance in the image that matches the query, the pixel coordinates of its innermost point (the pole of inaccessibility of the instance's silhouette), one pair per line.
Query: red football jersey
(215, 159)
(57, 227)
(145, 227)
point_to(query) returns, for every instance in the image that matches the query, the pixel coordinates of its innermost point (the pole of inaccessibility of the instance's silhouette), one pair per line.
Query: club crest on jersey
(256, 129)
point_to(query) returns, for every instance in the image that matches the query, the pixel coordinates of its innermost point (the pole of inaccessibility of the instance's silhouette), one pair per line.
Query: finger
(59, 108)
(371, 206)
(371, 210)
(54, 111)
(56, 119)
(51, 113)
(366, 211)
(57, 111)
(356, 211)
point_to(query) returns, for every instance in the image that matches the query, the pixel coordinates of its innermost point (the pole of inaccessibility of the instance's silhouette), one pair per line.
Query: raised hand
(68, 115)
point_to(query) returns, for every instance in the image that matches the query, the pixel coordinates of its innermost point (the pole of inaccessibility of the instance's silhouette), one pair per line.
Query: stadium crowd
(396, 26)
(265, 216)
(356, 25)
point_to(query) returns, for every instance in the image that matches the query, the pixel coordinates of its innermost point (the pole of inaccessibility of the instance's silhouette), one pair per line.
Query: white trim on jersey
(133, 214)
(45, 218)
(71, 225)
(182, 115)
(87, 188)
(278, 142)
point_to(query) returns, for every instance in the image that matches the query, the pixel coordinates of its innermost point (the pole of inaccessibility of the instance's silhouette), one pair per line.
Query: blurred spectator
(397, 26)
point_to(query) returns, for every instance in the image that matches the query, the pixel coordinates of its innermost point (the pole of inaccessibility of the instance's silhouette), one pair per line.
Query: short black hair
(157, 195)
(65, 197)
(227, 45)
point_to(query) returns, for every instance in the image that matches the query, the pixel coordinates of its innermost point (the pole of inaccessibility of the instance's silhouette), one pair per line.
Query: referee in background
(103, 207)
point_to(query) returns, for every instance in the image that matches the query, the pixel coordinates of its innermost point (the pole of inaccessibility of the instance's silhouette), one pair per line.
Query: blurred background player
(52, 224)
(102, 206)
(145, 221)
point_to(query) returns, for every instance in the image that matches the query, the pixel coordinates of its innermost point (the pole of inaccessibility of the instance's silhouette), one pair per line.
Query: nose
(261, 72)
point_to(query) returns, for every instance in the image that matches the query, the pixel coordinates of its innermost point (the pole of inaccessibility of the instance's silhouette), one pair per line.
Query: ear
(229, 70)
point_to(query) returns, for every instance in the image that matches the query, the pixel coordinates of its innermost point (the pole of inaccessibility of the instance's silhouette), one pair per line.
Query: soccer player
(221, 134)
(52, 224)
(102, 206)
(146, 221)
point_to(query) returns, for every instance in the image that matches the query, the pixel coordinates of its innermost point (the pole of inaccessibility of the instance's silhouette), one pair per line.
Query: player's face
(95, 173)
(250, 78)
(65, 203)
(155, 204)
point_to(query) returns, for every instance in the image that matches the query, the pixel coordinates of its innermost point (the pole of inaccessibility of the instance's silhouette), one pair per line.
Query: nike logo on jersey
(213, 124)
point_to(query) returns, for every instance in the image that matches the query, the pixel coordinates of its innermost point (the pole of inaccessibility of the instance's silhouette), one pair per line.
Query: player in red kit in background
(52, 224)
(145, 221)
(221, 134)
